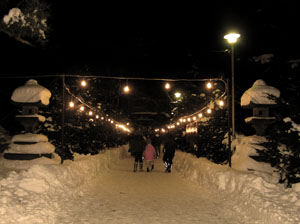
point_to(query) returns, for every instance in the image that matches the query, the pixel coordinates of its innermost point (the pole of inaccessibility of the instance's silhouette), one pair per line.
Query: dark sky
(124, 38)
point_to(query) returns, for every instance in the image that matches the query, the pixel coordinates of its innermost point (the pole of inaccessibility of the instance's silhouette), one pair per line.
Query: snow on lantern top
(31, 92)
(259, 94)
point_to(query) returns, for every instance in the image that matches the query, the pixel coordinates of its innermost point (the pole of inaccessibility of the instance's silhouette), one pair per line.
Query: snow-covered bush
(27, 22)
(4, 139)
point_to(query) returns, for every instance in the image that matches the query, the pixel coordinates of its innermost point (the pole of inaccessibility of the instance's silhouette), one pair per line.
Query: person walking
(149, 155)
(137, 147)
(169, 152)
(156, 143)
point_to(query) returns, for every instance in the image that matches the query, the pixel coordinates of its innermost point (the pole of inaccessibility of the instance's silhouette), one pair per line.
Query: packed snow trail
(122, 196)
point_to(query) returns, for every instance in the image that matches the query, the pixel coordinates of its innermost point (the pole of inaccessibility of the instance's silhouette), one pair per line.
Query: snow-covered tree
(83, 133)
(25, 21)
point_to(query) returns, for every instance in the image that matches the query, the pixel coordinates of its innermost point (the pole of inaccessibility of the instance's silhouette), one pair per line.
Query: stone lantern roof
(31, 93)
(259, 95)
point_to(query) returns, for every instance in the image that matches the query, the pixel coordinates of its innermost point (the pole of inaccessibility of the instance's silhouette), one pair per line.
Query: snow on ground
(103, 189)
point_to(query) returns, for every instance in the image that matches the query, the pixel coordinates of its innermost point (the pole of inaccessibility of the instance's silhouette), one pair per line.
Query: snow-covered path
(121, 196)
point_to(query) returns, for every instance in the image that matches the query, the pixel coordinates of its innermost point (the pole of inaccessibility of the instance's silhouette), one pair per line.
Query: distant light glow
(209, 85)
(97, 116)
(71, 104)
(209, 111)
(126, 89)
(232, 37)
(221, 103)
(177, 94)
(81, 108)
(90, 113)
(200, 115)
(167, 86)
(83, 83)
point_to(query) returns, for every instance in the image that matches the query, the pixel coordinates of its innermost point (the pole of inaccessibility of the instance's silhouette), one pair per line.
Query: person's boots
(141, 167)
(135, 167)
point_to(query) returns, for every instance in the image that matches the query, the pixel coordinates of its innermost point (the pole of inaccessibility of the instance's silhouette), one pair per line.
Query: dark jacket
(169, 147)
(137, 144)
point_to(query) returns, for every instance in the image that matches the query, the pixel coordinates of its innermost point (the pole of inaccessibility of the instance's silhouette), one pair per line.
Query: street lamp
(232, 39)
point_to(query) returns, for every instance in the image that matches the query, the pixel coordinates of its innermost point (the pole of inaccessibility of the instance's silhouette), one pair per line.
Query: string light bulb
(209, 111)
(177, 94)
(81, 108)
(167, 86)
(126, 89)
(209, 85)
(71, 104)
(90, 113)
(83, 83)
(200, 115)
(221, 103)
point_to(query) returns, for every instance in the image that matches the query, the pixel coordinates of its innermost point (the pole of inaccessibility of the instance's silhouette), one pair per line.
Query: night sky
(153, 39)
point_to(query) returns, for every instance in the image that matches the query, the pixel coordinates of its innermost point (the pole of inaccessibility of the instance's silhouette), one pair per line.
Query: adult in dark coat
(137, 147)
(156, 143)
(169, 152)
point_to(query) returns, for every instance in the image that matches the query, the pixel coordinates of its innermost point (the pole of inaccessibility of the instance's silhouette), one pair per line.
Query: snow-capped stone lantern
(30, 145)
(260, 98)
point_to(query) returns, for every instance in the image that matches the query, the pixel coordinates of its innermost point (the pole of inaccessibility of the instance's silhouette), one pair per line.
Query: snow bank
(250, 192)
(244, 149)
(28, 196)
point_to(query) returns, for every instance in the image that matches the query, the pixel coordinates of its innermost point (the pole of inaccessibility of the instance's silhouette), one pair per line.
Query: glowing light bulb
(177, 94)
(90, 113)
(200, 115)
(126, 89)
(221, 103)
(209, 85)
(83, 83)
(97, 116)
(209, 111)
(81, 108)
(232, 37)
(71, 104)
(167, 86)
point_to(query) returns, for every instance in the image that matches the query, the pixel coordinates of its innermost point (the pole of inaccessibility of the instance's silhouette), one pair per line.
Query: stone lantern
(30, 145)
(260, 98)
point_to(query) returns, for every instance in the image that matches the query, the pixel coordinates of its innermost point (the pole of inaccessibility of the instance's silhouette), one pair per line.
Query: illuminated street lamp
(232, 39)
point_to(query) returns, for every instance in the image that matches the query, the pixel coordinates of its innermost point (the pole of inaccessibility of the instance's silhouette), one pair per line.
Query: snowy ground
(103, 189)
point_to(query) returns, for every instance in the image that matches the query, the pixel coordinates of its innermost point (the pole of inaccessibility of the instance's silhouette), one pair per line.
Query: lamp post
(232, 39)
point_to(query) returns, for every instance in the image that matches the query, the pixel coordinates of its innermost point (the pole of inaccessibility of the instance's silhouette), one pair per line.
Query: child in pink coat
(149, 155)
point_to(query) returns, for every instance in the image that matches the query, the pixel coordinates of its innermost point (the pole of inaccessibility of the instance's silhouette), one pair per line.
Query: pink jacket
(149, 152)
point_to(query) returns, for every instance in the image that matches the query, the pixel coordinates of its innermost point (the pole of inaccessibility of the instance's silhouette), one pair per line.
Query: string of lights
(196, 116)
(94, 112)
